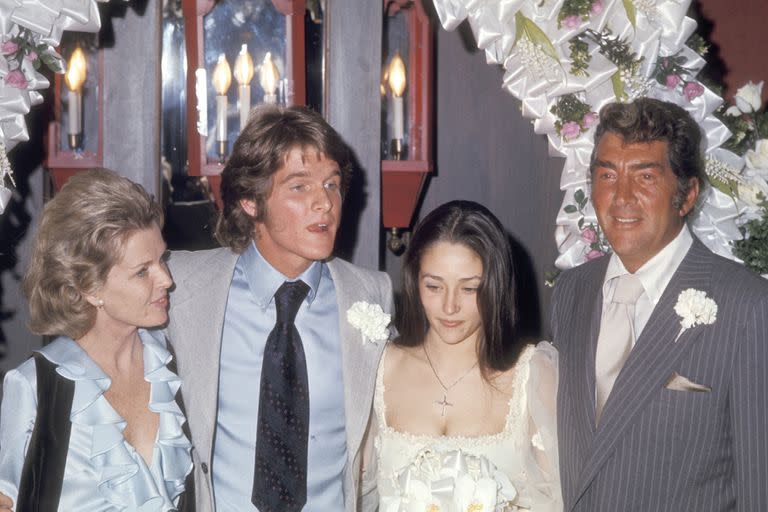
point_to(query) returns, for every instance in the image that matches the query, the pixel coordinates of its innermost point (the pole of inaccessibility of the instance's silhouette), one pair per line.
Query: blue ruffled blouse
(103, 471)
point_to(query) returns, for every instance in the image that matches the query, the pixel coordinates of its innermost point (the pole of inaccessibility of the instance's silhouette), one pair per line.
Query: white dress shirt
(654, 275)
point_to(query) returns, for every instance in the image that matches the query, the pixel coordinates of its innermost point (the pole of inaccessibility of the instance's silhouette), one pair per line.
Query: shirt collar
(264, 280)
(655, 273)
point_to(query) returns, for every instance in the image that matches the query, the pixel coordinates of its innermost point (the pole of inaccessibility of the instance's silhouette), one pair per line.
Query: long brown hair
(475, 227)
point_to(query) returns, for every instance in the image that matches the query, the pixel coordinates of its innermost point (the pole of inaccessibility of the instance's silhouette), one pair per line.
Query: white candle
(269, 79)
(221, 118)
(75, 110)
(398, 122)
(396, 80)
(222, 77)
(245, 104)
(75, 78)
(244, 74)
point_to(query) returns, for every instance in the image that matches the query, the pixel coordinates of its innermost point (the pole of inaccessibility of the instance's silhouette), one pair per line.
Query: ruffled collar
(125, 480)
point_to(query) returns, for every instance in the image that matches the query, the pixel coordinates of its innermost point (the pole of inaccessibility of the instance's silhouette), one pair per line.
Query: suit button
(204, 467)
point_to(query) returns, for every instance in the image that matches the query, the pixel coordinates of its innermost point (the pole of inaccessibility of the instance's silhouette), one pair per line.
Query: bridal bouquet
(451, 481)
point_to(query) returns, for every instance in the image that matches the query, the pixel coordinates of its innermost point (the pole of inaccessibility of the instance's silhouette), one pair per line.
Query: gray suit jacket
(659, 448)
(198, 302)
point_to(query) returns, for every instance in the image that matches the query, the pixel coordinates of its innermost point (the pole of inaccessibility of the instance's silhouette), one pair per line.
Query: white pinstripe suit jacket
(657, 449)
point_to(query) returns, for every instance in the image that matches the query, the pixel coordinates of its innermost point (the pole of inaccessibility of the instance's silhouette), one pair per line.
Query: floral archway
(565, 59)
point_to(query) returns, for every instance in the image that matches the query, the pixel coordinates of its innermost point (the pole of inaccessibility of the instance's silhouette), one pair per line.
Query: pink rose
(589, 120)
(693, 90)
(572, 21)
(32, 55)
(570, 130)
(589, 235)
(9, 48)
(593, 255)
(672, 81)
(597, 7)
(16, 79)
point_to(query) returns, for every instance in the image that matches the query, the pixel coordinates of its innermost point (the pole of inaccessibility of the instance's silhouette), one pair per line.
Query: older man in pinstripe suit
(663, 401)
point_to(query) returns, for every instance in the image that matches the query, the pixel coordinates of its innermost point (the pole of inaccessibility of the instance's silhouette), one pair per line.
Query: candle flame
(76, 70)
(244, 66)
(222, 76)
(396, 77)
(269, 76)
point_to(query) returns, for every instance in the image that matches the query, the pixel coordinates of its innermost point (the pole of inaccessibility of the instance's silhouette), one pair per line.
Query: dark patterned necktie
(280, 471)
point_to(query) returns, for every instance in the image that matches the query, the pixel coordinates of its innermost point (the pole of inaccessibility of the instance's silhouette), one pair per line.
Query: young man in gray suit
(258, 446)
(663, 395)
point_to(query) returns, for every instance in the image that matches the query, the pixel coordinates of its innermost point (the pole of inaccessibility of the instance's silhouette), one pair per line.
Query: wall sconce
(406, 114)
(270, 32)
(75, 134)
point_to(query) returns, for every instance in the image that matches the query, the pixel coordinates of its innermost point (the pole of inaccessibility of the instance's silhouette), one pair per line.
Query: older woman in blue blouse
(97, 278)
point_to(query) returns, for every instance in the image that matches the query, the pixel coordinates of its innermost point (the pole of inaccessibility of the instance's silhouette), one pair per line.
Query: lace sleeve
(541, 392)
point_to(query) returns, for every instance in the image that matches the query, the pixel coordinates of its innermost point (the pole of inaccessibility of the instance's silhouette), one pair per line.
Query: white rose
(758, 158)
(748, 97)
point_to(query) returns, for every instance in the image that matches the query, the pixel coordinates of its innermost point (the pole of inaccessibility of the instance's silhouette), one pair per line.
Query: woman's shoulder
(532, 359)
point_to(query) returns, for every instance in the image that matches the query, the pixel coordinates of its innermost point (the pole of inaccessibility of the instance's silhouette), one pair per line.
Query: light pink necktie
(617, 336)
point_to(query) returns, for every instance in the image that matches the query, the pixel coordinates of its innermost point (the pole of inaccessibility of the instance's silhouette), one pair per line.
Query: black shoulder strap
(43, 472)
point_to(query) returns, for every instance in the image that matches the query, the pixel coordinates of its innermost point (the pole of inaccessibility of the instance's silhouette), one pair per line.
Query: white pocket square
(677, 382)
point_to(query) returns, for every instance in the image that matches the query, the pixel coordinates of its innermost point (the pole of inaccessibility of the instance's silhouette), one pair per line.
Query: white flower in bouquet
(749, 97)
(454, 481)
(370, 320)
(758, 158)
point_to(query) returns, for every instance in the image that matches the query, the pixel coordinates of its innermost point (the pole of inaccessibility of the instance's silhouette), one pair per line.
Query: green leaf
(631, 12)
(581, 223)
(526, 27)
(579, 196)
(726, 186)
(53, 61)
(618, 86)
(570, 209)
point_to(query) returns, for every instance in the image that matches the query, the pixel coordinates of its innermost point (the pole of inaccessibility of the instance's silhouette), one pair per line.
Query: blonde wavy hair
(80, 238)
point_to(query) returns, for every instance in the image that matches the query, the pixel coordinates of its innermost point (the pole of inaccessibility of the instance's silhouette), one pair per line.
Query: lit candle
(269, 78)
(222, 78)
(244, 75)
(396, 81)
(74, 78)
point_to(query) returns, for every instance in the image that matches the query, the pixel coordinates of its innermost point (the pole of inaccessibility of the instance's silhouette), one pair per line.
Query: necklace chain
(432, 366)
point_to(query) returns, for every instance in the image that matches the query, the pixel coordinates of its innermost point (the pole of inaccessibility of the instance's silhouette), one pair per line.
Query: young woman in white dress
(465, 413)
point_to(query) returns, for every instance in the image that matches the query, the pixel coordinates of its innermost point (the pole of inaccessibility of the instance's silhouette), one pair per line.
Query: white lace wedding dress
(454, 473)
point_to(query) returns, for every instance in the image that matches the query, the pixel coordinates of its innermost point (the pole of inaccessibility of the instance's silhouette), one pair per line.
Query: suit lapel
(581, 350)
(359, 360)
(198, 314)
(651, 362)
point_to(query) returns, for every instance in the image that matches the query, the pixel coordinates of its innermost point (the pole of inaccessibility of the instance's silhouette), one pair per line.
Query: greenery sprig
(573, 116)
(26, 45)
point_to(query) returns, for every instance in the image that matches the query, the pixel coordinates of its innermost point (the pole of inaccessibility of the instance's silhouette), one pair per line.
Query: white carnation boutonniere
(370, 320)
(694, 308)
